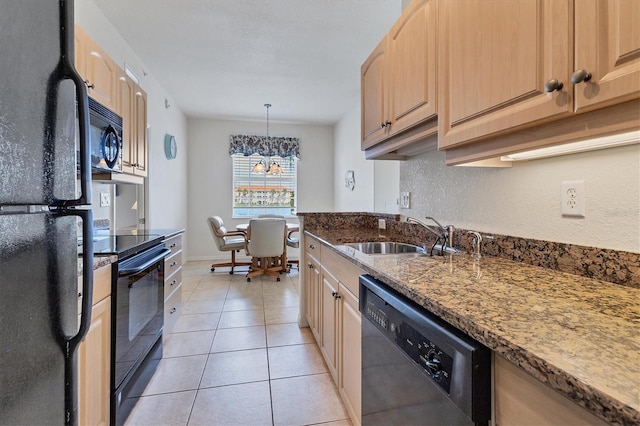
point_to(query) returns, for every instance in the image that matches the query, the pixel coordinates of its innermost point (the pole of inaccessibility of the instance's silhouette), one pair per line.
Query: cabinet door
(80, 47)
(607, 45)
(126, 96)
(94, 365)
(350, 345)
(412, 66)
(312, 301)
(102, 73)
(373, 75)
(494, 60)
(328, 319)
(141, 143)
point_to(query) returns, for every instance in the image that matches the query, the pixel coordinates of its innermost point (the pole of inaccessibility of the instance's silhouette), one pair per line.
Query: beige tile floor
(237, 356)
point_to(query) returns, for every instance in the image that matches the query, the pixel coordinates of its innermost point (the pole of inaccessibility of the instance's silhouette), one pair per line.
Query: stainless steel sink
(387, 247)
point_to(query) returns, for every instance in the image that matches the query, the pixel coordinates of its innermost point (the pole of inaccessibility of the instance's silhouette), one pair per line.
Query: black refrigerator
(44, 213)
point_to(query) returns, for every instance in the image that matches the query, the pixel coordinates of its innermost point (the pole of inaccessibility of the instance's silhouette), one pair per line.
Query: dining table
(291, 228)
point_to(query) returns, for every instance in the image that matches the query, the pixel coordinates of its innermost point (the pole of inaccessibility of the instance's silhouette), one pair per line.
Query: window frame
(246, 178)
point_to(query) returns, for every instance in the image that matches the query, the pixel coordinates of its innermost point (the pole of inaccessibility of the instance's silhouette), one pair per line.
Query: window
(264, 192)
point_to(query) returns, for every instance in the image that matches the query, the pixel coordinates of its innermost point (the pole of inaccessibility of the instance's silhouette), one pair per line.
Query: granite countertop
(580, 336)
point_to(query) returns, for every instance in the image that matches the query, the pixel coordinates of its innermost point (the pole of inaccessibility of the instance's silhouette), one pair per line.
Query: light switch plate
(404, 200)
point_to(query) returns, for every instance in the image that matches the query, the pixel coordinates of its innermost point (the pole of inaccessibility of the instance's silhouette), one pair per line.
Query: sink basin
(386, 247)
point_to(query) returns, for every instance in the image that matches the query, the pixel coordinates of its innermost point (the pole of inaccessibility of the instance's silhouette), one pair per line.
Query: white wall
(524, 200)
(167, 197)
(210, 184)
(376, 181)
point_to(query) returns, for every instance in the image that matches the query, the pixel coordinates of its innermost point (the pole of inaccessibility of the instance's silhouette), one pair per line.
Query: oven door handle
(139, 268)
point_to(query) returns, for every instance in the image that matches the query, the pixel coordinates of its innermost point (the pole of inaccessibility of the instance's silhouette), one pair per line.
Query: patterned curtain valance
(264, 145)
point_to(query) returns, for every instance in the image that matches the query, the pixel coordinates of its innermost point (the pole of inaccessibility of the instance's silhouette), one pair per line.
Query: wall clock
(170, 146)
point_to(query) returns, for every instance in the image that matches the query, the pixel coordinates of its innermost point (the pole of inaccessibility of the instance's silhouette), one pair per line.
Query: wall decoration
(170, 146)
(350, 180)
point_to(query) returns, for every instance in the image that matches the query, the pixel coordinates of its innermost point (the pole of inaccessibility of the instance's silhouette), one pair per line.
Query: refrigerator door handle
(87, 276)
(69, 71)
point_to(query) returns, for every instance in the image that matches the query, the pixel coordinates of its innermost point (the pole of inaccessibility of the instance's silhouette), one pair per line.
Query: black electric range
(124, 246)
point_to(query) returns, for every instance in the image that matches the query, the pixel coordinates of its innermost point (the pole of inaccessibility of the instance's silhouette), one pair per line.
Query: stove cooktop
(124, 245)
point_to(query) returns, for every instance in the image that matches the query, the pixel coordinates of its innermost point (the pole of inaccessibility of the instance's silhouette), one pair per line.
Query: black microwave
(105, 131)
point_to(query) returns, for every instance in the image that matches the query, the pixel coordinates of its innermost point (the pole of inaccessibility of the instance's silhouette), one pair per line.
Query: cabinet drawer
(312, 246)
(174, 244)
(172, 282)
(172, 263)
(172, 310)
(346, 272)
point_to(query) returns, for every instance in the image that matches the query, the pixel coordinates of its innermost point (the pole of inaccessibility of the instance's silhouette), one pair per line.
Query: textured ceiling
(227, 58)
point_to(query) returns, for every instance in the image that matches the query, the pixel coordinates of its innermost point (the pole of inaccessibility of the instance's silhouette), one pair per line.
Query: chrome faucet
(444, 234)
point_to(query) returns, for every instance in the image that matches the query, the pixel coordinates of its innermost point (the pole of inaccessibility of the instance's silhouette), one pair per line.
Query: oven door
(139, 309)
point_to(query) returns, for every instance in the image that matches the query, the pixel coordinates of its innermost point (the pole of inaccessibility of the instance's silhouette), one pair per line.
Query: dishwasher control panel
(434, 362)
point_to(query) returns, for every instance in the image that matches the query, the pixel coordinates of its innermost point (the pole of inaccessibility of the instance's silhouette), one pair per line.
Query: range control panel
(433, 361)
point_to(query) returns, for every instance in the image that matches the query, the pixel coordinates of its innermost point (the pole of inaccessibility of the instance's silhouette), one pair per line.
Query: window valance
(268, 146)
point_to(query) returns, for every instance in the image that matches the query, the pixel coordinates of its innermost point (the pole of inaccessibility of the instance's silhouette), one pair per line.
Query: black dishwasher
(416, 368)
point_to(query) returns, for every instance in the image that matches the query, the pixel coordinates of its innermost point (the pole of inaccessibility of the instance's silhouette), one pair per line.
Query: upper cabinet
(511, 76)
(132, 106)
(111, 86)
(607, 53)
(398, 82)
(522, 75)
(502, 64)
(373, 77)
(97, 69)
(412, 67)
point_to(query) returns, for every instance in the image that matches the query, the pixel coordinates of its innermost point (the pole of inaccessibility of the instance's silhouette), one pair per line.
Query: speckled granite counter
(578, 335)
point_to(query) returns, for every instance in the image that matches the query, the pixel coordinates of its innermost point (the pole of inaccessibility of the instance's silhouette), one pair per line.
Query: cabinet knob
(310, 265)
(173, 310)
(174, 282)
(387, 123)
(89, 84)
(382, 125)
(580, 75)
(174, 263)
(172, 245)
(553, 85)
(312, 247)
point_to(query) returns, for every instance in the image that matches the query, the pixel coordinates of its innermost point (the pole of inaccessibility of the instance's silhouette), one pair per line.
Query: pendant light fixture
(274, 168)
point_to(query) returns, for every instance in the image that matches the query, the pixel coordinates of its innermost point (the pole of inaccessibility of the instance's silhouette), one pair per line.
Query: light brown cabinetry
(94, 356)
(312, 284)
(172, 283)
(97, 68)
(398, 83)
(512, 74)
(494, 61)
(607, 46)
(338, 331)
(132, 106)
(522, 400)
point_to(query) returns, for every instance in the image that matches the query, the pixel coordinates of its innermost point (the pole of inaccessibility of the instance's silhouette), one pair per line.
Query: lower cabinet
(523, 400)
(94, 355)
(334, 317)
(172, 283)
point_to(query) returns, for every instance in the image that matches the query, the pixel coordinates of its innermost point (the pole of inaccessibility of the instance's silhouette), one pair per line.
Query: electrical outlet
(404, 200)
(382, 224)
(105, 199)
(573, 198)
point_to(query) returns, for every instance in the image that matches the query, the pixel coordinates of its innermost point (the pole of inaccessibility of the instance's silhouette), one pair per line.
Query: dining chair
(225, 240)
(293, 242)
(265, 243)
